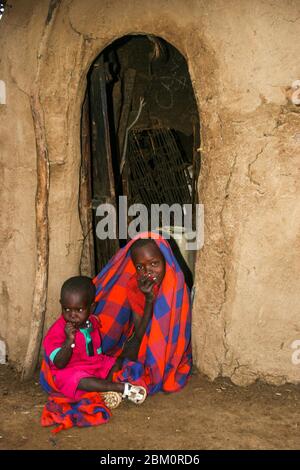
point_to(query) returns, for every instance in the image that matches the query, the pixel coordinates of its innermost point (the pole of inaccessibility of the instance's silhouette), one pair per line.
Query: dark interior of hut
(140, 133)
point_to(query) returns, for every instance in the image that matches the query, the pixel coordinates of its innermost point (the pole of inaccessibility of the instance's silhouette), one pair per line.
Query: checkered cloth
(164, 360)
(89, 410)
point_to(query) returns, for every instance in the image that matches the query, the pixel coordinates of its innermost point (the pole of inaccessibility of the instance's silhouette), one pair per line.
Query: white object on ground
(2, 352)
(296, 94)
(2, 92)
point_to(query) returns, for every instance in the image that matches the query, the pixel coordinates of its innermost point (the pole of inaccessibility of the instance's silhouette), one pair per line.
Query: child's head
(76, 298)
(148, 259)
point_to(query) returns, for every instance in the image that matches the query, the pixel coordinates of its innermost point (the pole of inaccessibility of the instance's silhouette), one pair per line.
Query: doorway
(140, 138)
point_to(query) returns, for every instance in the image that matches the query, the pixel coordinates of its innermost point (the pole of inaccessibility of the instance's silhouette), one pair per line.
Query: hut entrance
(140, 137)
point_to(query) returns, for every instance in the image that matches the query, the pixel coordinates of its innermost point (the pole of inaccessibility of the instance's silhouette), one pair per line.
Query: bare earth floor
(205, 415)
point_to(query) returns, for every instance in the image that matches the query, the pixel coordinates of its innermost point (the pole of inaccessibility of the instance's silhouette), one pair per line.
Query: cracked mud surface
(204, 415)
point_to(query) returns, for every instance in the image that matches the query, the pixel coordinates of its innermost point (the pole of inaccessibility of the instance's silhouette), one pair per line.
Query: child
(73, 348)
(142, 290)
(144, 309)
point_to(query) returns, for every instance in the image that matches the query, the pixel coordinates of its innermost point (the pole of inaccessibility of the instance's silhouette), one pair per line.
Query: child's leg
(131, 349)
(134, 393)
(116, 367)
(92, 384)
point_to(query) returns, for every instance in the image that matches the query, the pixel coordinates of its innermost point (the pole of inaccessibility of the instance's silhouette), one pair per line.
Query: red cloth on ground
(90, 410)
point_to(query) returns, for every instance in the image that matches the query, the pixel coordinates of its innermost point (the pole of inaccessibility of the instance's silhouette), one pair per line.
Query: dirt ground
(204, 415)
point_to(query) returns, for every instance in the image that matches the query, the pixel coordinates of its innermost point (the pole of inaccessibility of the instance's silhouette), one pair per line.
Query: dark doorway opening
(140, 137)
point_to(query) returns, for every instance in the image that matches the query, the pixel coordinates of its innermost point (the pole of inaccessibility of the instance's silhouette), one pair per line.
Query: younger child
(73, 347)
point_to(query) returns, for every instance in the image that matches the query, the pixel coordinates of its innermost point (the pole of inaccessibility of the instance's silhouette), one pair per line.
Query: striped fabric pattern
(165, 360)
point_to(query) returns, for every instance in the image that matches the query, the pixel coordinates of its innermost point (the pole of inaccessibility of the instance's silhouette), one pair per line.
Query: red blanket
(89, 410)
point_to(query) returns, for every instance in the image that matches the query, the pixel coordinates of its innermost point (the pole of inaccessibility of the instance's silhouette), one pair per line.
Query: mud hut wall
(241, 57)
(20, 35)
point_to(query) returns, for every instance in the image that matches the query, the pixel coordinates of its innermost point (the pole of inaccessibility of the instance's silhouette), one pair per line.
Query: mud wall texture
(242, 56)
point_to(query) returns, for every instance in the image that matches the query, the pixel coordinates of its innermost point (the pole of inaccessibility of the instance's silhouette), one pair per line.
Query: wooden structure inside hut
(140, 135)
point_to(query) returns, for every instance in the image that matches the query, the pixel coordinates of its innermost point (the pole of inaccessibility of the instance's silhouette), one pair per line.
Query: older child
(144, 309)
(73, 347)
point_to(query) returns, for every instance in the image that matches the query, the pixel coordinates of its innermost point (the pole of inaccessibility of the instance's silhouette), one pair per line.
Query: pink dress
(81, 364)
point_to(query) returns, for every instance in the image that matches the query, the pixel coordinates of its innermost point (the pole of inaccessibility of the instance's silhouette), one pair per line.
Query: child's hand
(146, 284)
(70, 331)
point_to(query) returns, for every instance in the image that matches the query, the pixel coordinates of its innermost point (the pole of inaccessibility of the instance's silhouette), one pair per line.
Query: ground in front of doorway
(204, 415)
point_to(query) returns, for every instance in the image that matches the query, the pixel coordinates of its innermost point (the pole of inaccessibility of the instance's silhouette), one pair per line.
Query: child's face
(75, 308)
(149, 262)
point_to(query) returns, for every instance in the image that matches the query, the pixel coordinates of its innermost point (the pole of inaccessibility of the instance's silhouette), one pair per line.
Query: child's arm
(64, 354)
(132, 346)
(141, 323)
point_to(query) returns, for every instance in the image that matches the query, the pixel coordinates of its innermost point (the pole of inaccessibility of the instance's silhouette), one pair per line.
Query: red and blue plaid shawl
(89, 410)
(164, 359)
